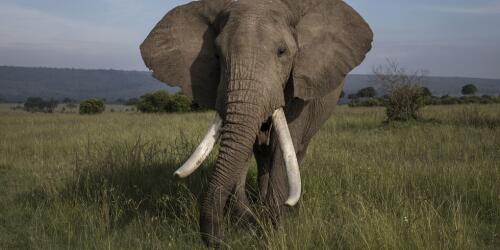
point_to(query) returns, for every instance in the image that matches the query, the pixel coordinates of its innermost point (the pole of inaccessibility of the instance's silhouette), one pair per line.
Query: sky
(445, 38)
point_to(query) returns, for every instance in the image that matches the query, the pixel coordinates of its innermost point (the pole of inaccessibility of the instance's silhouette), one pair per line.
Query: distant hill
(18, 83)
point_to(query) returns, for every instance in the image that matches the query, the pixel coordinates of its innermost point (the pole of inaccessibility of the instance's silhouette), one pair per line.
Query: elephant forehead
(258, 7)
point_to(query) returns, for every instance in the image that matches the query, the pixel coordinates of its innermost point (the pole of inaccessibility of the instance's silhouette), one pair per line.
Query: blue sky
(447, 37)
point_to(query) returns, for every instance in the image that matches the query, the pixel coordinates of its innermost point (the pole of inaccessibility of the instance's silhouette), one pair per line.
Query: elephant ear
(333, 39)
(180, 50)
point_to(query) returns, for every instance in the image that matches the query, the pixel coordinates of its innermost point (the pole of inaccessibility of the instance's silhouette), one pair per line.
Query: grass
(104, 182)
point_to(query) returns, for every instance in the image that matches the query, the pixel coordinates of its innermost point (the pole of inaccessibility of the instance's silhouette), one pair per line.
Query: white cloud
(490, 8)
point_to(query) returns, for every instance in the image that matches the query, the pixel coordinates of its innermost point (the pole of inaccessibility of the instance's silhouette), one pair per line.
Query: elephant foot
(239, 207)
(210, 232)
(276, 207)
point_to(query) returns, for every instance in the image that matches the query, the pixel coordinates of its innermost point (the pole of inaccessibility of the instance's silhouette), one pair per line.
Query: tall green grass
(95, 182)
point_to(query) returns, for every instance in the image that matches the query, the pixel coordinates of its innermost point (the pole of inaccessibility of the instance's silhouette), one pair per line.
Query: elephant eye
(281, 51)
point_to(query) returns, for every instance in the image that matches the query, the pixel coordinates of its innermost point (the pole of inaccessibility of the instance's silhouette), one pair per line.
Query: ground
(105, 181)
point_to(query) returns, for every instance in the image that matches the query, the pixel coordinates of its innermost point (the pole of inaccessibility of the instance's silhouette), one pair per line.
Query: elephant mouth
(267, 125)
(264, 135)
(276, 122)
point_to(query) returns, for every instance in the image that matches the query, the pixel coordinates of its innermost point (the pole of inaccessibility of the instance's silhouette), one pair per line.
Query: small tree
(92, 106)
(161, 101)
(469, 89)
(181, 103)
(156, 102)
(404, 92)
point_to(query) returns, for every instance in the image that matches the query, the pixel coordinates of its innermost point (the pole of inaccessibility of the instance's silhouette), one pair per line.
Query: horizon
(447, 39)
(148, 71)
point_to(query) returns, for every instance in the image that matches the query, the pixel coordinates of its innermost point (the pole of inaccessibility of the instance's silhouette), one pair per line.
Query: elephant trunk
(243, 117)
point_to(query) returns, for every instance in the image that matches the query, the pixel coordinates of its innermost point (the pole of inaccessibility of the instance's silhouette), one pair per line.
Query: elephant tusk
(288, 150)
(202, 151)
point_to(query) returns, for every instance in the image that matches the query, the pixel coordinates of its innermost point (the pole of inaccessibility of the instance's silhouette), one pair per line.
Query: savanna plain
(69, 181)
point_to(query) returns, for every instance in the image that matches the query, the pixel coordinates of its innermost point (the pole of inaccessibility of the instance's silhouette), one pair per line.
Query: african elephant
(273, 71)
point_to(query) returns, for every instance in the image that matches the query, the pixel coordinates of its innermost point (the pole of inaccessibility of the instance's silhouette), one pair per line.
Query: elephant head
(247, 60)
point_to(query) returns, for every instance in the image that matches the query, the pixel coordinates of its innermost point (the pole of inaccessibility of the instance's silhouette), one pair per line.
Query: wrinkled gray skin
(246, 59)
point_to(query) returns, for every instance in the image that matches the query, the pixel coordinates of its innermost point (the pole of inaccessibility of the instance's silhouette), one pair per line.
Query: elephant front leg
(305, 119)
(262, 157)
(277, 192)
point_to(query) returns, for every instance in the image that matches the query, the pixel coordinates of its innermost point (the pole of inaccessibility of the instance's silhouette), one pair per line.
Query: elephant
(273, 71)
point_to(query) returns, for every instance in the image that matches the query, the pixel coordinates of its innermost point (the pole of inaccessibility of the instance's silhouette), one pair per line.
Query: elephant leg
(304, 121)
(262, 157)
(278, 183)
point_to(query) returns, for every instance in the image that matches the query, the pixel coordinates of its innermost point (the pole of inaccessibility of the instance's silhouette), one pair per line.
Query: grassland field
(69, 181)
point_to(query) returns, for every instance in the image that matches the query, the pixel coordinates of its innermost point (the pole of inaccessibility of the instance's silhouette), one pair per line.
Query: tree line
(369, 97)
(156, 102)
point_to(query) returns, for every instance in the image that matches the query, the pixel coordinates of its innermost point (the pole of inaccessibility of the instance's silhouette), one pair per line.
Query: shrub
(404, 102)
(403, 91)
(155, 102)
(469, 89)
(92, 106)
(181, 103)
(161, 101)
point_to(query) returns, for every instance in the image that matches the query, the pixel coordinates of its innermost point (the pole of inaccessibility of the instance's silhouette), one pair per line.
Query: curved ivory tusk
(202, 151)
(291, 163)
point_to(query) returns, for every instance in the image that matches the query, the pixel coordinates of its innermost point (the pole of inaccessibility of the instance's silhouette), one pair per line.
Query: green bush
(181, 103)
(469, 89)
(404, 93)
(92, 106)
(404, 102)
(156, 102)
(163, 102)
